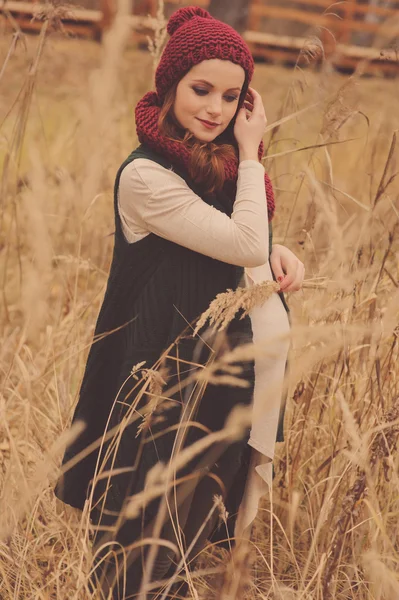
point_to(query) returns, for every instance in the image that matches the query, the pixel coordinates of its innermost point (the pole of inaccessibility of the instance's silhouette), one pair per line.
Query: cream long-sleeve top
(153, 199)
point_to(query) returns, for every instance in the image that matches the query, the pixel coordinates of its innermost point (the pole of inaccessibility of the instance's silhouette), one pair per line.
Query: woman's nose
(215, 106)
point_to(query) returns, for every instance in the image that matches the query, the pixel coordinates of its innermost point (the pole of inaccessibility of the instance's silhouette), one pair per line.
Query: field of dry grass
(330, 529)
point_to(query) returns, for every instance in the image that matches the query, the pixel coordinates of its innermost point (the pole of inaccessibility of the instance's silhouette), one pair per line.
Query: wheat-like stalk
(225, 306)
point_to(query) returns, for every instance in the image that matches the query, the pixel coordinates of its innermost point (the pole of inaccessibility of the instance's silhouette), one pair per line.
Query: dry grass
(66, 114)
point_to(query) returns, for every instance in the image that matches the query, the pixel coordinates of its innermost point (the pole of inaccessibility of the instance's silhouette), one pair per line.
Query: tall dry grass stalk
(329, 530)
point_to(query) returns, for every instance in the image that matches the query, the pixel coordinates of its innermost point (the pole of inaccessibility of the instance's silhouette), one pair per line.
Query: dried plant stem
(383, 447)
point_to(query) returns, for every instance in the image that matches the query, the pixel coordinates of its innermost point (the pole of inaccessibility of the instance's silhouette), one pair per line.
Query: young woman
(193, 207)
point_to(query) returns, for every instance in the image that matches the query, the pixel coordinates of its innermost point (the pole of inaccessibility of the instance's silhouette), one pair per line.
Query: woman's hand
(250, 124)
(287, 268)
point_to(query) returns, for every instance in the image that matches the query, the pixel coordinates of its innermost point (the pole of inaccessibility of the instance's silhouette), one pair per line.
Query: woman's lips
(208, 125)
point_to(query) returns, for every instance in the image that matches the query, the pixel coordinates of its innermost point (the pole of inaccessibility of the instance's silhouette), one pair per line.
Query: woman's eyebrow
(211, 85)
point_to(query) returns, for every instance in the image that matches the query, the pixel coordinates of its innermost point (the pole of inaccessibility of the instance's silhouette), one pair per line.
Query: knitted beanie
(196, 36)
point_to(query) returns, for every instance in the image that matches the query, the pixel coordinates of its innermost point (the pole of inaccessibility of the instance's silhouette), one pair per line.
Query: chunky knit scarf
(147, 113)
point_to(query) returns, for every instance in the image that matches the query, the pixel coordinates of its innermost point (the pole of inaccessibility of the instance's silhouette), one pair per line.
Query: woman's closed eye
(202, 92)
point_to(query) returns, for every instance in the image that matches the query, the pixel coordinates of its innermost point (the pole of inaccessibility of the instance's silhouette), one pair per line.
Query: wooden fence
(348, 31)
(278, 30)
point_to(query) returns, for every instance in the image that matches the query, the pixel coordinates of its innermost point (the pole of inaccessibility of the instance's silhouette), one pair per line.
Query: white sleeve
(157, 200)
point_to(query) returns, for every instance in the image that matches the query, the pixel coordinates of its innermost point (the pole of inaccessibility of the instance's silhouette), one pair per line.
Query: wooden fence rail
(349, 31)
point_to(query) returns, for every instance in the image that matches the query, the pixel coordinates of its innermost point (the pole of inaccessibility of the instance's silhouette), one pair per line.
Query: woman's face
(208, 92)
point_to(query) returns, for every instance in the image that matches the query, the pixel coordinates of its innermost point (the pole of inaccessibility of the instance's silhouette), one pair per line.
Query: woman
(193, 207)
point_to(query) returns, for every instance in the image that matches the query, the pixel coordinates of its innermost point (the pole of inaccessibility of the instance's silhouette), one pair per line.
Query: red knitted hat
(197, 36)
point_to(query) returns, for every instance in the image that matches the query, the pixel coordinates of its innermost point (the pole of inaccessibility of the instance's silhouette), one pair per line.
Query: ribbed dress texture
(152, 198)
(156, 290)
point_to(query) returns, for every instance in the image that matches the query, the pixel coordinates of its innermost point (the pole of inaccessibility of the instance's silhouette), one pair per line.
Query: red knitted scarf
(147, 113)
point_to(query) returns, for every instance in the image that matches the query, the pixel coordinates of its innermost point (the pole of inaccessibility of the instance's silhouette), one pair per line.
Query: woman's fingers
(255, 97)
(250, 123)
(296, 285)
(287, 268)
(258, 107)
(293, 281)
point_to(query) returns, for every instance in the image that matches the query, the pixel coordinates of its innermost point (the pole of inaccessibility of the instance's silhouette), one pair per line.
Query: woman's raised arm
(157, 200)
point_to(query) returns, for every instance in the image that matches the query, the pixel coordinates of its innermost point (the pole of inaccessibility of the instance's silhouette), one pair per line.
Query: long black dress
(156, 291)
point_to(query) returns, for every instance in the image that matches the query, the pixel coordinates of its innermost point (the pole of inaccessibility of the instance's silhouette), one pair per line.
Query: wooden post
(108, 8)
(329, 33)
(254, 18)
(232, 12)
(346, 25)
(152, 7)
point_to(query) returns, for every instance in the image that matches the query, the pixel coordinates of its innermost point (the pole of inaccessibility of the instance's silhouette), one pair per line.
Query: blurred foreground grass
(331, 529)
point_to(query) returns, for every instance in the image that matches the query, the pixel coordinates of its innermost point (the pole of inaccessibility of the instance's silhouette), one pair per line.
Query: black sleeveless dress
(156, 290)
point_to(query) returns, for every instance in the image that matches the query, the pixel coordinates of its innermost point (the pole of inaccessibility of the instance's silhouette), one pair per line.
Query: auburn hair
(207, 159)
